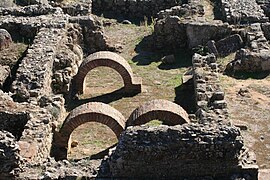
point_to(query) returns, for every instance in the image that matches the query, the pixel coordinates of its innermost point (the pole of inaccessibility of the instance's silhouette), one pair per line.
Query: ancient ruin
(135, 89)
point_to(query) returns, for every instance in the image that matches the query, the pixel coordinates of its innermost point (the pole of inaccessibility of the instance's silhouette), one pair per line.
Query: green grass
(154, 123)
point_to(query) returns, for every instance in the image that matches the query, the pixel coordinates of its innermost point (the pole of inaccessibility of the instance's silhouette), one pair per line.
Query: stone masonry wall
(173, 33)
(33, 133)
(188, 151)
(211, 106)
(132, 8)
(9, 155)
(33, 77)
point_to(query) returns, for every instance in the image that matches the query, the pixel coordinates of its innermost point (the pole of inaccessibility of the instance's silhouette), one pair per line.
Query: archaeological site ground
(135, 89)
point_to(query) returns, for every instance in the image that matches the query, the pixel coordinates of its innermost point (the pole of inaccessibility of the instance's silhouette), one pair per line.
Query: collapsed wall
(9, 157)
(255, 56)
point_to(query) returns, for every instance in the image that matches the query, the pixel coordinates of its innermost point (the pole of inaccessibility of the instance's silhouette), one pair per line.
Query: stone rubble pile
(242, 11)
(255, 57)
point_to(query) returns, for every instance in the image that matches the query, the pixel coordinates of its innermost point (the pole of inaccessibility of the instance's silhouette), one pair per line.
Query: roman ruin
(182, 87)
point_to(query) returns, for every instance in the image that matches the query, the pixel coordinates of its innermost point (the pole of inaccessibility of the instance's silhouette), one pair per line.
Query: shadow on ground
(104, 98)
(248, 75)
(99, 155)
(146, 54)
(185, 96)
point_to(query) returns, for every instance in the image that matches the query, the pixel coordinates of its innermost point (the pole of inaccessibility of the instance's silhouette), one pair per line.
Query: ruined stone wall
(30, 125)
(33, 77)
(9, 157)
(187, 151)
(211, 106)
(25, 22)
(265, 5)
(255, 56)
(266, 30)
(93, 36)
(243, 11)
(75, 8)
(132, 8)
(173, 33)
(192, 9)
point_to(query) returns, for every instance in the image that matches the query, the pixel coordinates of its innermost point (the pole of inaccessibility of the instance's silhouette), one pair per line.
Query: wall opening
(101, 81)
(91, 140)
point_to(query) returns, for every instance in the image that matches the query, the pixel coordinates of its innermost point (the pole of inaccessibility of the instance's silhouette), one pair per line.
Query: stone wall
(30, 125)
(33, 77)
(32, 10)
(26, 27)
(9, 157)
(132, 8)
(265, 5)
(93, 36)
(255, 56)
(266, 30)
(67, 60)
(188, 151)
(74, 8)
(211, 106)
(242, 11)
(173, 33)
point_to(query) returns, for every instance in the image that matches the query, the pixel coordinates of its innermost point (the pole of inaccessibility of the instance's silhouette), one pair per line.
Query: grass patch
(154, 123)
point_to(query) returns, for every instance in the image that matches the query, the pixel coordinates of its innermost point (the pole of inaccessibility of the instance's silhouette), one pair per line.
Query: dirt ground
(249, 105)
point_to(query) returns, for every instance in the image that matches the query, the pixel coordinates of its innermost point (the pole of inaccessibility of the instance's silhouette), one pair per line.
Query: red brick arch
(166, 111)
(89, 112)
(108, 59)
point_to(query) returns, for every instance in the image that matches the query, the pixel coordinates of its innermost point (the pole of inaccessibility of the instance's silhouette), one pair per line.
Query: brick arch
(166, 111)
(89, 112)
(107, 59)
